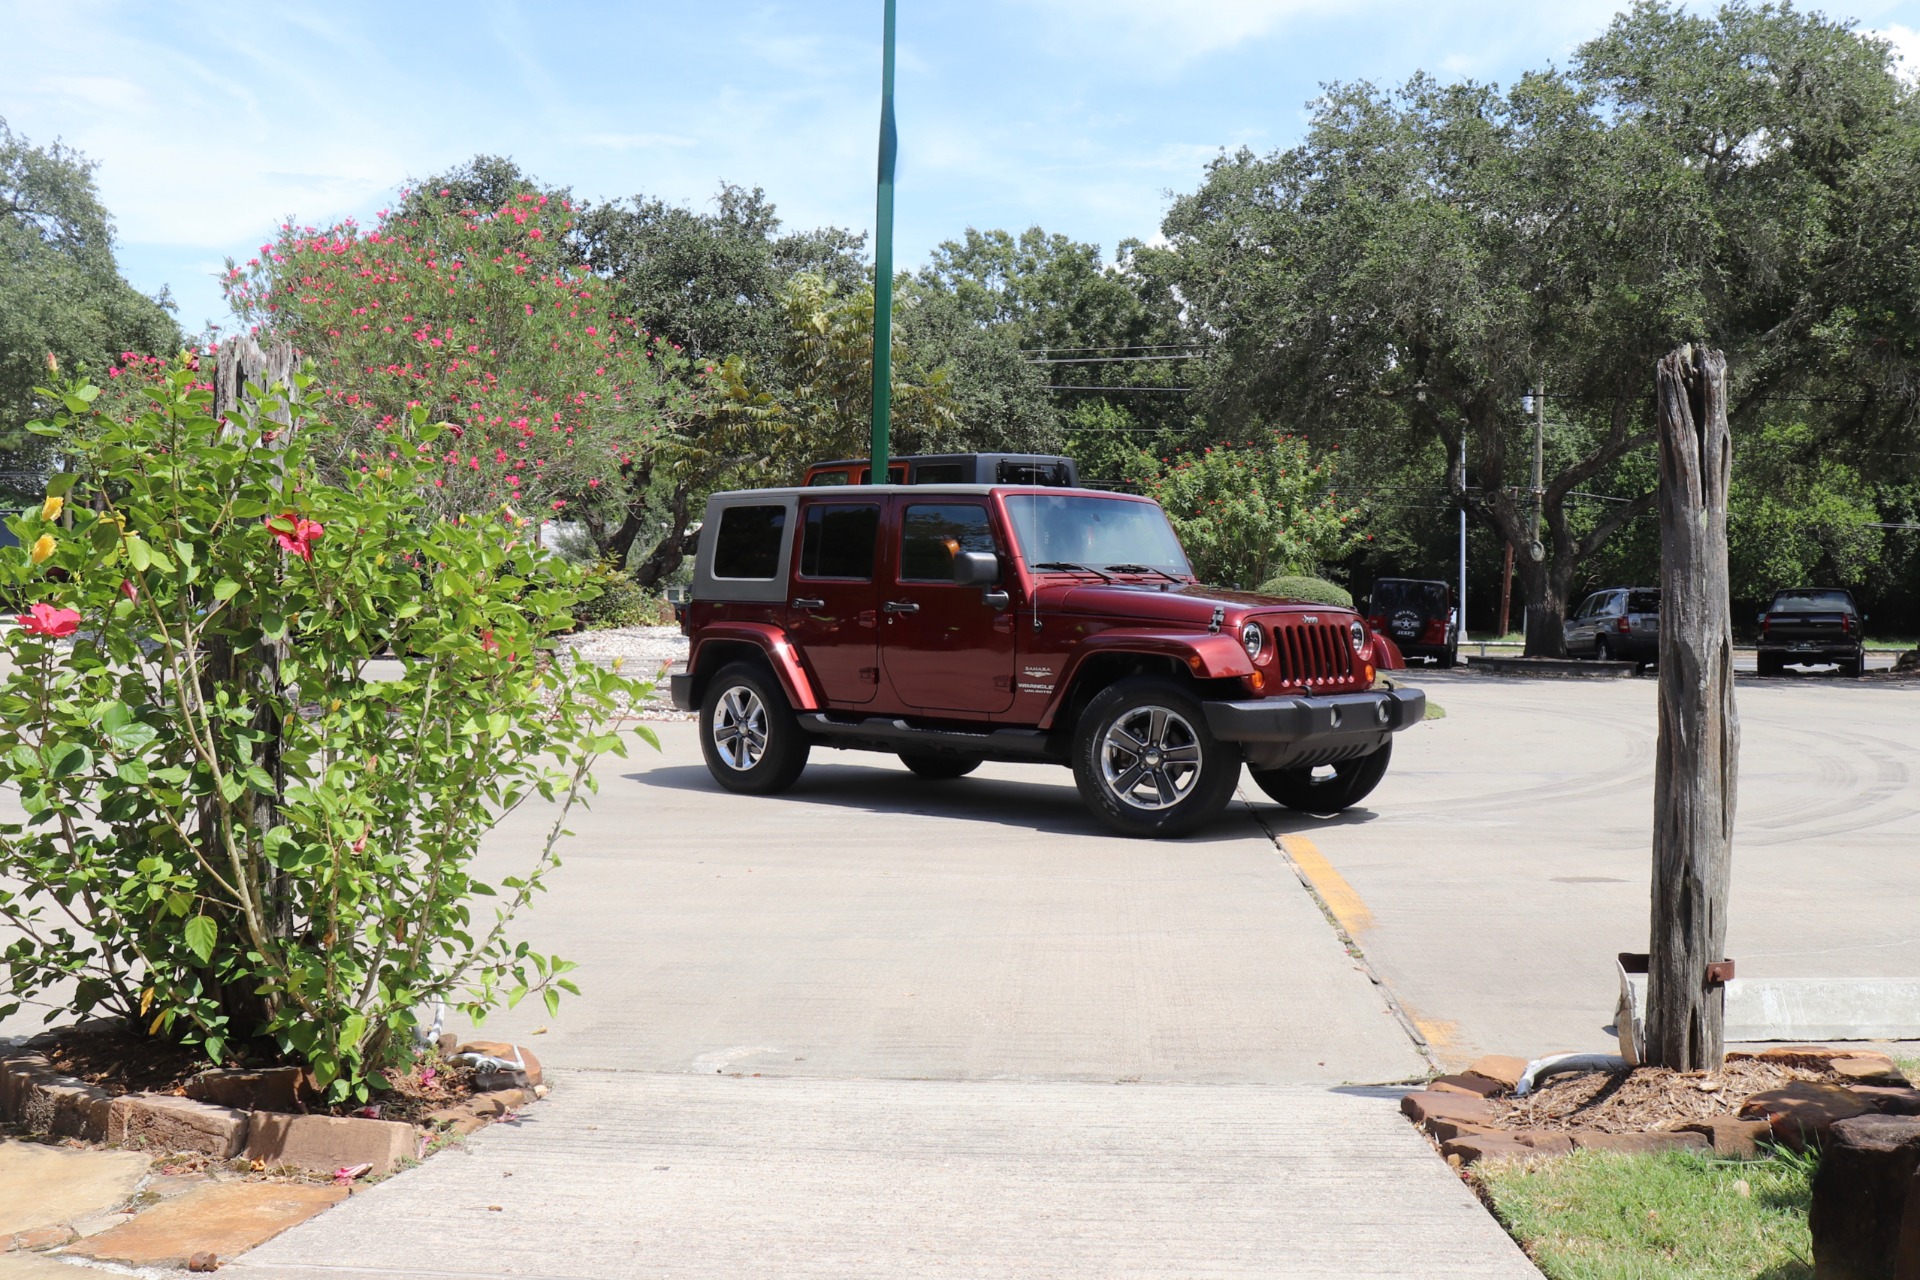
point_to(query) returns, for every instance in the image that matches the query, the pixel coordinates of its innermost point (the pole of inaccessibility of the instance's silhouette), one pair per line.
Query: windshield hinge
(1219, 616)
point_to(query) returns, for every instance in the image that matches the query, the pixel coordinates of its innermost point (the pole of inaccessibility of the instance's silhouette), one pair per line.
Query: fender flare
(1386, 654)
(1208, 655)
(773, 645)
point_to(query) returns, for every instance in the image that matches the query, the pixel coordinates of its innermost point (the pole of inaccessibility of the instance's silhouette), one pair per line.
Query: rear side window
(941, 473)
(829, 478)
(932, 533)
(837, 541)
(748, 544)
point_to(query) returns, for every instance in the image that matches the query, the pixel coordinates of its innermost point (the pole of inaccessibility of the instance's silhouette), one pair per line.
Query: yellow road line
(1346, 905)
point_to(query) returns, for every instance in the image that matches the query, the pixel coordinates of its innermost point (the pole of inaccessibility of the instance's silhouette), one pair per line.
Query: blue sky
(212, 121)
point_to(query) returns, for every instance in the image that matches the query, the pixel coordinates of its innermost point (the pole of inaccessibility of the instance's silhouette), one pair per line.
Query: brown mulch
(123, 1061)
(1650, 1098)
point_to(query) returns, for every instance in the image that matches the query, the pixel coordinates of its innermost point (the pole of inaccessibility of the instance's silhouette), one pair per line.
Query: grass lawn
(1679, 1216)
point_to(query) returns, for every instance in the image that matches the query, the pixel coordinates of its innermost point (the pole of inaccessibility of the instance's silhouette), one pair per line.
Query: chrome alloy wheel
(1150, 758)
(740, 728)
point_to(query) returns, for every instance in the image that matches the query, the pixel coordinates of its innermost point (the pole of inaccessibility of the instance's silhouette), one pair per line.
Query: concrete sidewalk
(635, 1174)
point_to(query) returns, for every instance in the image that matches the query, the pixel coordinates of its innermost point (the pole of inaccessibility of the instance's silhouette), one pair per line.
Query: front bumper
(1293, 730)
(680, 689)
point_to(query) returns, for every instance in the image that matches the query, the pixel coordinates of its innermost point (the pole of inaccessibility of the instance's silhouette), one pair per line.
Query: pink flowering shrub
(477, 318)
(232, 835)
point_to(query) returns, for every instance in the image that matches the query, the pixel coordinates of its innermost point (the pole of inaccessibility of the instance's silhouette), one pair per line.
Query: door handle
(809, 604)
(901, 606)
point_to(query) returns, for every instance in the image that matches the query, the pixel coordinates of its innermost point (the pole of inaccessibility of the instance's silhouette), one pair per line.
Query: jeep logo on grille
(1310, 619)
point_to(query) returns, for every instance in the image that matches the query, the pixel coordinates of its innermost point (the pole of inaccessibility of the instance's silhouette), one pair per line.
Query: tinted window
(828, 477)
(940, 473)
(1036, 473)
(837, 541)
(748, 544)
(1643, 602)
(1813, 602)
(1430, 599)
(931, 534)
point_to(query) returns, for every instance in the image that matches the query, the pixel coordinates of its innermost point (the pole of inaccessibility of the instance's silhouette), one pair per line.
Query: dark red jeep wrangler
(952, 624)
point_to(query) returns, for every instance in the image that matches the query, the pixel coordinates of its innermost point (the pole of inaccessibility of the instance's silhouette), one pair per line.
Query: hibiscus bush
(244, 826)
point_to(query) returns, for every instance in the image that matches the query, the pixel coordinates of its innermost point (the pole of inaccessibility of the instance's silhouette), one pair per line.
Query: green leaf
(553, 1001)
(200, 935)
(225, 589)
(69, 758)
(60, 483)
(139, 552)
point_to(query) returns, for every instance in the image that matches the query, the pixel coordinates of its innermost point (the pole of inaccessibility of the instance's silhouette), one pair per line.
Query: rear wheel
(940, 768)
(1347, 784)
(1145, 762)
(1769, 664)
(1854, 666)
(1602, 651)
(1447, 658)
(748, 733)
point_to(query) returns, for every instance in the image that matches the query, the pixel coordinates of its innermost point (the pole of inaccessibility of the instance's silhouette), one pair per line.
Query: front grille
(1313, 654)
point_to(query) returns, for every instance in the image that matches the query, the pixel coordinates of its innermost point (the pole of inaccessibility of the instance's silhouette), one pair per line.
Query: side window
(941, 473)
(837, 541)
(836, 477)
(932, 533)
(1591, 607)
(748, 543)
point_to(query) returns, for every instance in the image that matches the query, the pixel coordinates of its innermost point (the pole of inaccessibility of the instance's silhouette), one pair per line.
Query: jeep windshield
(1081, 531)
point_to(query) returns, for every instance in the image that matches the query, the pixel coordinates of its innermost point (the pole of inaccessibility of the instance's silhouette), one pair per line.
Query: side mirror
(976, 569)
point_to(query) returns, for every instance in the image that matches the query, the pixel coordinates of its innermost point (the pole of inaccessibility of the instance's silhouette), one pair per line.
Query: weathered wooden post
(1696, 769)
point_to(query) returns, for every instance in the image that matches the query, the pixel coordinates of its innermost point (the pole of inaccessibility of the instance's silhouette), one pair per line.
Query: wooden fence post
(1697, 762)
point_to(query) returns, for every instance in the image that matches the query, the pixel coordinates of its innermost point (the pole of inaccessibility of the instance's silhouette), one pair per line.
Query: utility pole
(1461, 601)
(883, 266)
(1539, 470)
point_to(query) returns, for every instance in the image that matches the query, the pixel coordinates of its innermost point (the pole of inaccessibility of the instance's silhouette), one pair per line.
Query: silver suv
(1618, 623)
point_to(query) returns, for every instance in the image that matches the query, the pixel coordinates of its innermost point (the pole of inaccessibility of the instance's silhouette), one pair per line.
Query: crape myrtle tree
(479, 314)
(61, 296)
(1403, 277)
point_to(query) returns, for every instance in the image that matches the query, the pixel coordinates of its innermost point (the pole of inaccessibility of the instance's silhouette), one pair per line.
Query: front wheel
(1146, 763)
(1349, 783)
(940, 768)
(748, 734)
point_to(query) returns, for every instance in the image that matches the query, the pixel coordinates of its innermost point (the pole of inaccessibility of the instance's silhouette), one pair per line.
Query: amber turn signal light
(1369, 673)
(1258, 681)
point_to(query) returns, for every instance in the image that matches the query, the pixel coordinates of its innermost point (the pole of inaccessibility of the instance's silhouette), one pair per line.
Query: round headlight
(1251, 636)
(1358, 630)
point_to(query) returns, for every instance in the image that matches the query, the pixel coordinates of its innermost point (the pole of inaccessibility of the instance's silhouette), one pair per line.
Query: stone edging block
(162, 1122)
(323, 1144)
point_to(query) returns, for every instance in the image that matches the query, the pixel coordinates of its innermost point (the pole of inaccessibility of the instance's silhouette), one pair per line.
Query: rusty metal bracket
(1719, 973)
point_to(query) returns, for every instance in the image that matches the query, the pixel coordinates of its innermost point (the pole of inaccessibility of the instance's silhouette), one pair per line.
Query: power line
(1113, 359)
(1104, 390)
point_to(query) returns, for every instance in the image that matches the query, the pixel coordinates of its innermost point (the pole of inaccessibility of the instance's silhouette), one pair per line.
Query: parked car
(1419, 615)
(954, 624)
(1810, 626)
(1619, 623)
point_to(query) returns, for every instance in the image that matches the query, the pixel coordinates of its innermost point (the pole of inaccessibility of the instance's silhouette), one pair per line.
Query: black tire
(1447, 659)
(748, 734)
(1768, 664)
(1854, 666)
(1191, 774)
(1602, 651)
(940, 768)
(1351, 782)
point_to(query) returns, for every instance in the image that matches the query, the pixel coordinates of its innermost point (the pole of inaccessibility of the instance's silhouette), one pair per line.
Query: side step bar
(878, 734)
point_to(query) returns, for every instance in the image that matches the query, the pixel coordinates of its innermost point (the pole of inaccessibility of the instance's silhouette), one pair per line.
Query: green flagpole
(883, 267)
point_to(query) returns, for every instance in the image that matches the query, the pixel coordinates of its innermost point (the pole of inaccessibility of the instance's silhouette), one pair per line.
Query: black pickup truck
(1810, 625)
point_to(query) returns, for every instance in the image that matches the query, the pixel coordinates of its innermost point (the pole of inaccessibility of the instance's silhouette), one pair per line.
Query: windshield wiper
(1068, 564)
(1146, 568)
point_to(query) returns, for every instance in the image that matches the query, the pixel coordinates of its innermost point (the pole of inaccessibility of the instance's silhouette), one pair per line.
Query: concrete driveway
(882, 1027)
(1506, 858)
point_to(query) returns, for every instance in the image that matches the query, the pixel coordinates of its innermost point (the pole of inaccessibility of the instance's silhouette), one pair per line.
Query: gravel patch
(644, 652)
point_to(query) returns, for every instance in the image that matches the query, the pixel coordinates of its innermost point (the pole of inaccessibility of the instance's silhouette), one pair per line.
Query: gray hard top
(920, 490)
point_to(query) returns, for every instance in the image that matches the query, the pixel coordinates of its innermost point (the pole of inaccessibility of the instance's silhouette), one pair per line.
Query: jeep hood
(1190, 603)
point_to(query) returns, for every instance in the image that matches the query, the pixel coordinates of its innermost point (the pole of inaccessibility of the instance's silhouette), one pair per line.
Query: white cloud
(1906, 46)
(1179, 29)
